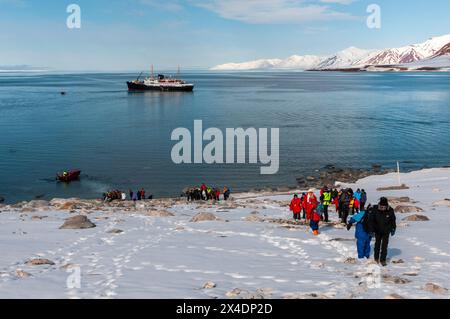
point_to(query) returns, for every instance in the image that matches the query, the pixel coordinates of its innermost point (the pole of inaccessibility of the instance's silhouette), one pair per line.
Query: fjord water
(122, 140)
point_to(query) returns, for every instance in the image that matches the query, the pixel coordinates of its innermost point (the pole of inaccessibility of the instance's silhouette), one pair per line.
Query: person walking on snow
(296, 207)
(303, 200)
(344, 205)
(310, 204)
(362, 233)
(326, 201)
(315, 216)
(383, 224)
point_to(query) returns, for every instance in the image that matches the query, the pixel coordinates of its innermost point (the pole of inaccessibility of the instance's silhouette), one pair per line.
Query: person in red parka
(310, 203)
(296, 207)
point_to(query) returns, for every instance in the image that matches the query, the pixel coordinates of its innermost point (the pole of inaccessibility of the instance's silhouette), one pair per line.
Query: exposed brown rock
(160, 213)
(204, 217)
(416, 218)
(436, 289)
(209, 285)
(22, 274)
(115, 231)
(39, 262)
(395, 280)
(392, 188)
(394, 296)
(404, 209)
(252, 218)
(77, 222)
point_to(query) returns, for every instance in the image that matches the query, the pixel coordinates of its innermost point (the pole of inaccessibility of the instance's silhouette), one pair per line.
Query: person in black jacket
(382, 224)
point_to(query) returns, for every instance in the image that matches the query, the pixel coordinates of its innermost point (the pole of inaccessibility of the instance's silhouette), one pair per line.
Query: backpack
(367, 221)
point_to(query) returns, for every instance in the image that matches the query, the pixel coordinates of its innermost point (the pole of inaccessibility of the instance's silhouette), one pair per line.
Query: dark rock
(392, 188)
(115, 231)
(2, 199)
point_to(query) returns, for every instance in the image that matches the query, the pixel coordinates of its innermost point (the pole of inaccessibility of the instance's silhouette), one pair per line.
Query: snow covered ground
(172, 257)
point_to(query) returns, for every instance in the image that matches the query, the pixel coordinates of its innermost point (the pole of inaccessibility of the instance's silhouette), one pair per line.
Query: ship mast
(152, 72)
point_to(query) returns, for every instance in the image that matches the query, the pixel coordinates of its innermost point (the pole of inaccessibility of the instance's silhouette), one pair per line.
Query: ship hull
(161, 88)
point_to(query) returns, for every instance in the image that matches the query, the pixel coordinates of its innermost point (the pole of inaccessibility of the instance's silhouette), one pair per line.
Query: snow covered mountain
(302, 62)
(407, 54)
(251, 65)
(343, 59)
(293, 62)
(433, 50)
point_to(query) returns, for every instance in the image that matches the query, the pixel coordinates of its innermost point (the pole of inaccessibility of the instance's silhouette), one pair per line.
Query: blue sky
(131, 34)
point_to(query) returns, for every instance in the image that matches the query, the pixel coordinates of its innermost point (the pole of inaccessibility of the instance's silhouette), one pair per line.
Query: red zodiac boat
(68, 176)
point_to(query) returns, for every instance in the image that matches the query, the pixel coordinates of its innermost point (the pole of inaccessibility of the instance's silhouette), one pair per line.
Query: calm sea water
(122, 140)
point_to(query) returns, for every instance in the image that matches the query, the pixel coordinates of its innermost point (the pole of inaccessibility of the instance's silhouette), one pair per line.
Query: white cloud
(274, 11)
(168, 5)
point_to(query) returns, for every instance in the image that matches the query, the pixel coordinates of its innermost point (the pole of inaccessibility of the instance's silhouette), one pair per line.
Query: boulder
(2, 199)
(445, 202)
(36, 217)
(395, 280)
(252, 218)
(404, 209)
(209, 285)
(37, 204)
(436, 289)
(39, 262)
(115, 231)
(22, 274)
(392, 188)
(77, 222)
(416, 218)
(403, 199)
(350, 260)
(204, 217)
(394, 296)
(233, 293)
(160, 213)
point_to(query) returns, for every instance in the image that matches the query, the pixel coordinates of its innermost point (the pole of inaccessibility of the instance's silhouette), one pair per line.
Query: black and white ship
(160, 83)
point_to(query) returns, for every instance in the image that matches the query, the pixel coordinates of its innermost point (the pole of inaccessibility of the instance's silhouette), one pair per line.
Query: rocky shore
(330, 175)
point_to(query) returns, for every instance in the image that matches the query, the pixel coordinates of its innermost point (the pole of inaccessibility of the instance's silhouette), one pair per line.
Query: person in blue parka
(362, 234)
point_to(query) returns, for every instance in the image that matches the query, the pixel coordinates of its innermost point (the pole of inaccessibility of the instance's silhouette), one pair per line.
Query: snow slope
(171, 257)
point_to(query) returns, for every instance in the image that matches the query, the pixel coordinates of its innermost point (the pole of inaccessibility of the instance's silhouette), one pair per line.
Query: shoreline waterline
(239, 195)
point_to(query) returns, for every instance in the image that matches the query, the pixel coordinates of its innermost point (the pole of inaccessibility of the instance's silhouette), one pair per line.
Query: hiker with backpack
(383, 224)
(344, 199)
(363, 232)
(363, 199)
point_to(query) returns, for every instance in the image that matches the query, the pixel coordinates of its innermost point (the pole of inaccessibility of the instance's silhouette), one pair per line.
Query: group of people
(373, 221)
(138, 195)
(119, 195)
(206, 193)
